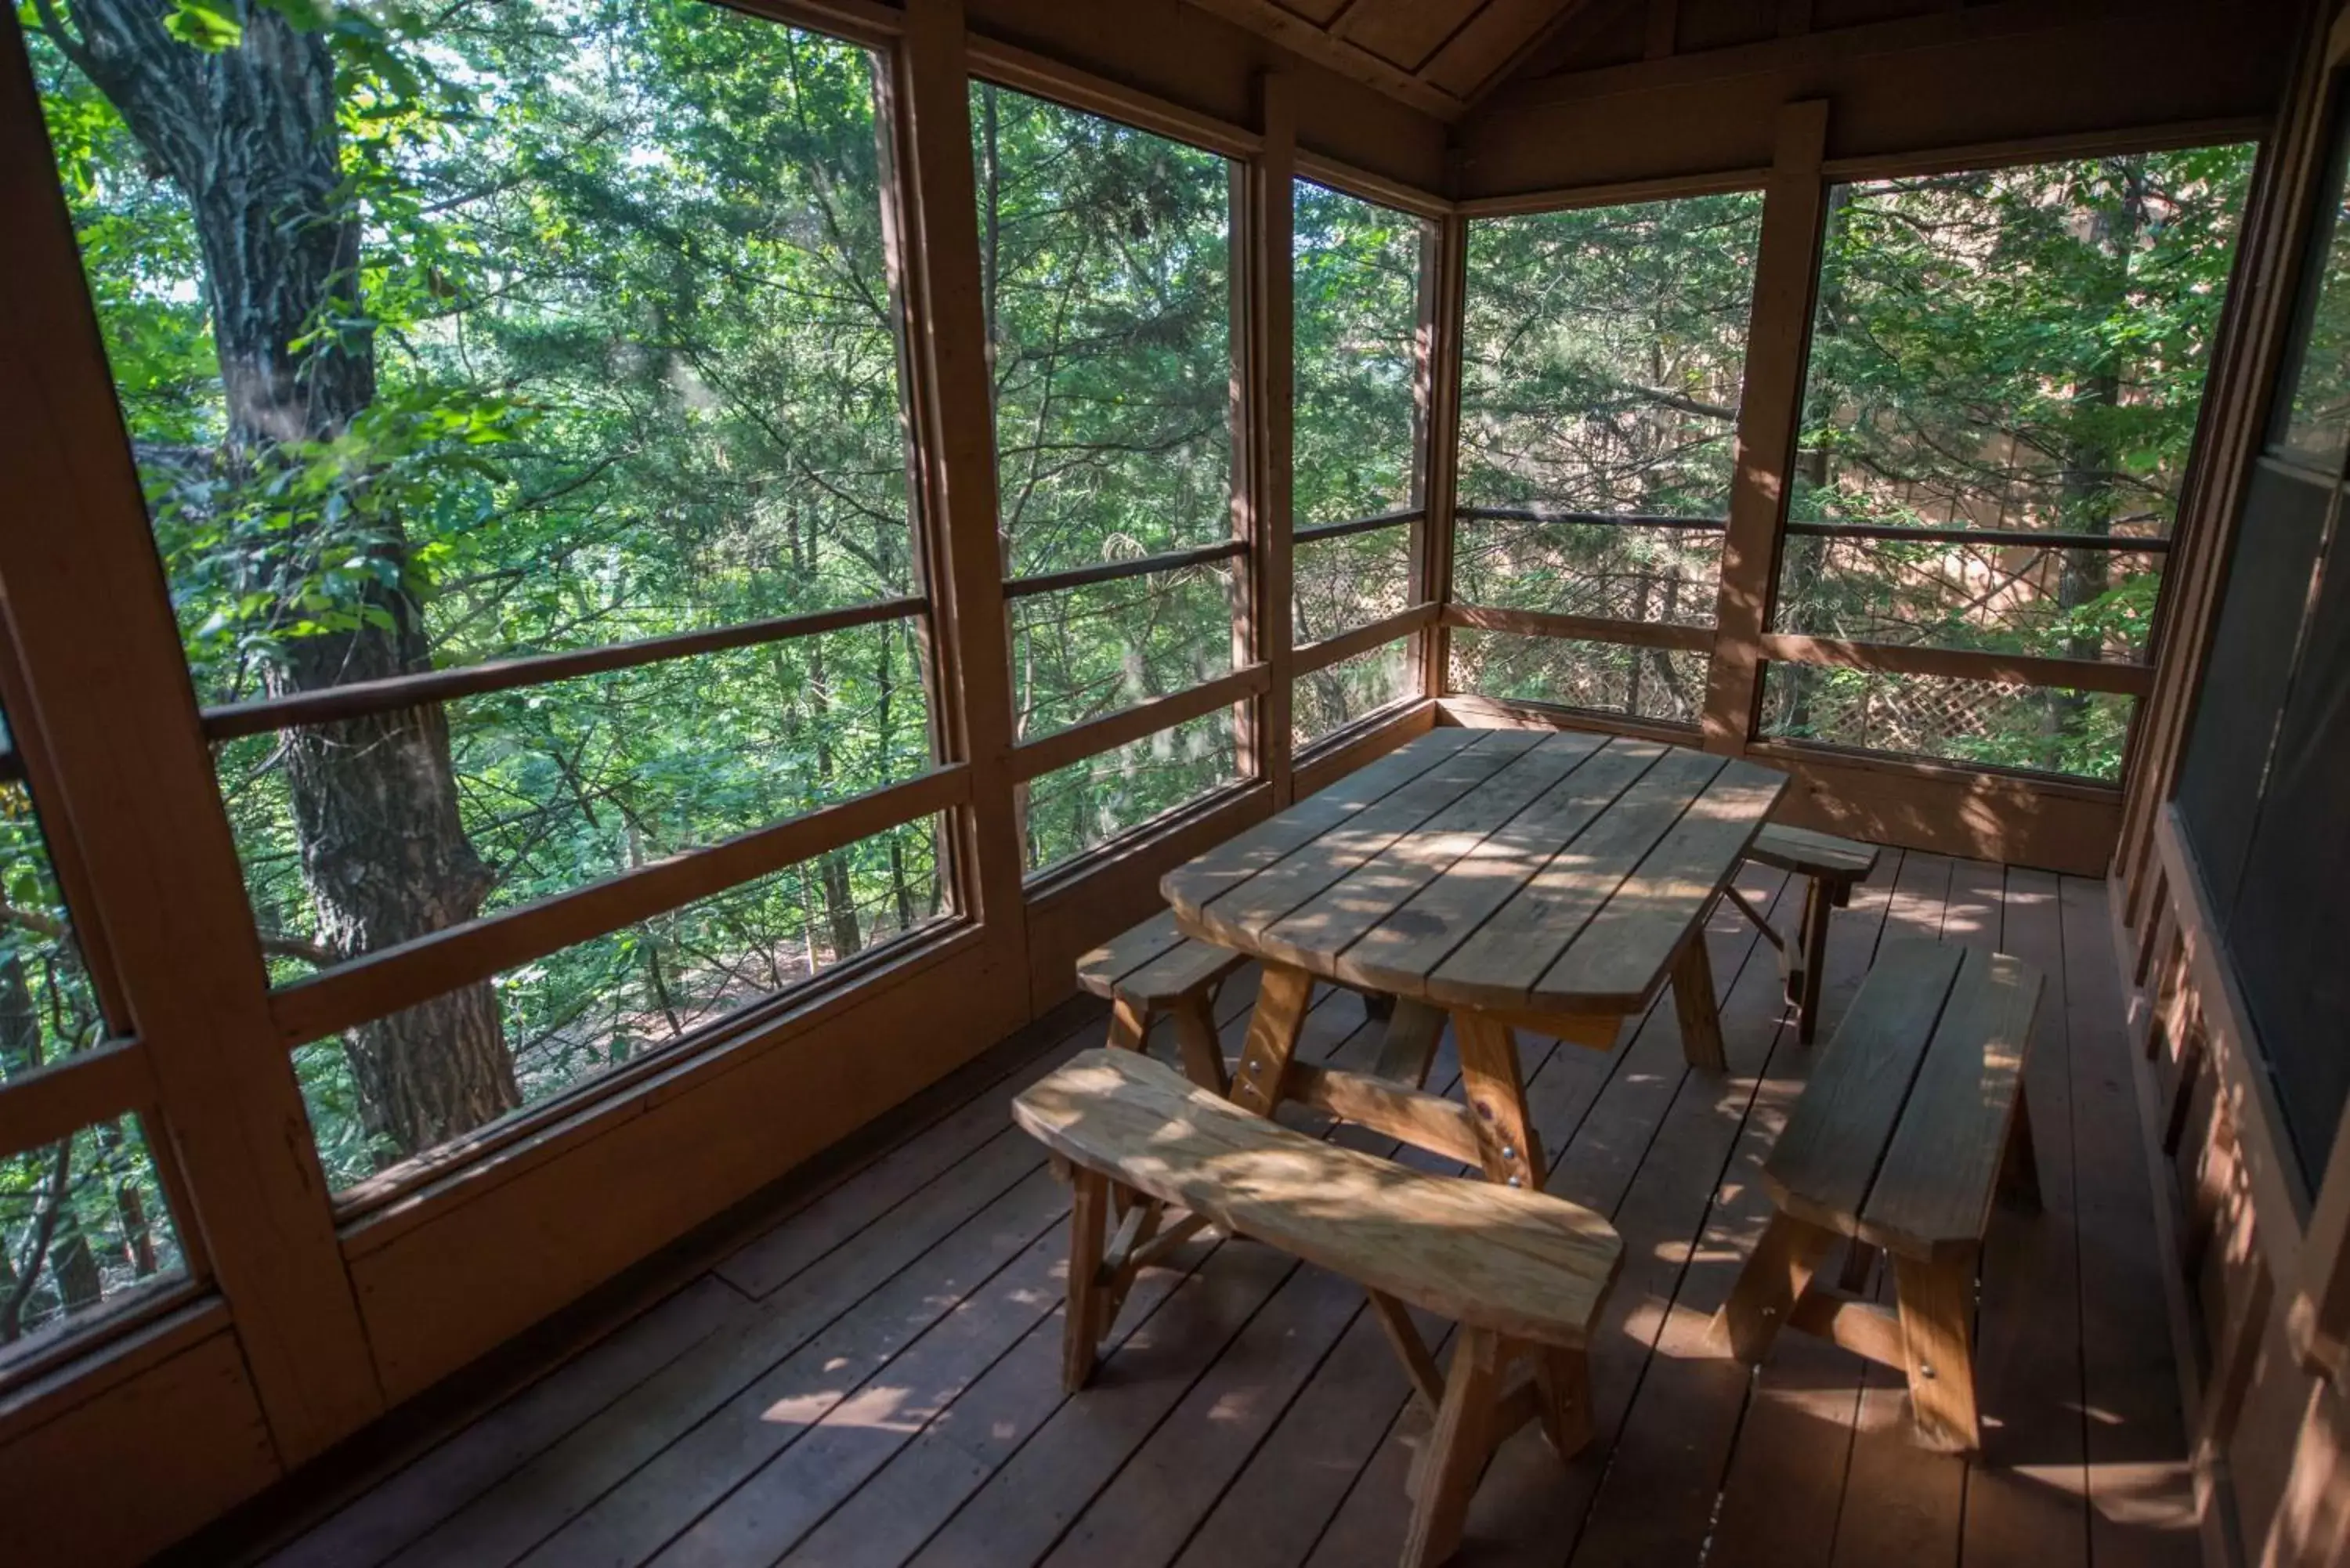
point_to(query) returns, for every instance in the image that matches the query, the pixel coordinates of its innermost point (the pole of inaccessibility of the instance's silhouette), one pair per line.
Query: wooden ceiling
(1439, 56)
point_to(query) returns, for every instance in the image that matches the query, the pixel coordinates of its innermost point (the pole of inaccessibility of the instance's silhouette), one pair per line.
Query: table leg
(1496, 1092)
(1693, 1002)
(1282, 998)
(1409, 1048)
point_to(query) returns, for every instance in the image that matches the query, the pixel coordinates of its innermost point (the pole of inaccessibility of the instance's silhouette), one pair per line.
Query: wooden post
(953, 404)
(1445, 267)
(1786, 273)
(1267, 411)
(113, 713)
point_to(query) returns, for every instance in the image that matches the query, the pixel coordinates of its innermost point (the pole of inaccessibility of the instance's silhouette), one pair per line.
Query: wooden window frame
(1741, 645)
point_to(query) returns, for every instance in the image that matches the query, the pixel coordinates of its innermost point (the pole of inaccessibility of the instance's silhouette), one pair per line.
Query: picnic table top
(1543, 872)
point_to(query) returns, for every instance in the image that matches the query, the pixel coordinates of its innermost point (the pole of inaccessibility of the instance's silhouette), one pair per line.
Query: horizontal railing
(2030, 539)
(1033, 759)
(50, 1104)
(374, 984)
(1314, 532)
(1113, 571)
(1601, 519)
(360, 699)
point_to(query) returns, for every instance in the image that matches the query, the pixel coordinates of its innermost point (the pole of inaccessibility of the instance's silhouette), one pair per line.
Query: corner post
(1444, 278)
(1770, 411)
(1265, 384)
(110, 711)
(953, 412)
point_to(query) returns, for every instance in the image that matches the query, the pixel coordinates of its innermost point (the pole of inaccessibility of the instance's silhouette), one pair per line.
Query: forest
(520, 329)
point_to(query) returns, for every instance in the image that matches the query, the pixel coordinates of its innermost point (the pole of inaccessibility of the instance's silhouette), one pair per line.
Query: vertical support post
(1268, 403)
(112, 711)
(953, 404)
(1447, 266)
(1662, 30)
(1786, 273)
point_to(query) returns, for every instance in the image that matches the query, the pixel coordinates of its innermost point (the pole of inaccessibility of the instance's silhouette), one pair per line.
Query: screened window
(1360, 344)
(84, 1221)
(1602, 358)
(1106, 263)
(2006, 370)
(522, 432)
(2261, 782)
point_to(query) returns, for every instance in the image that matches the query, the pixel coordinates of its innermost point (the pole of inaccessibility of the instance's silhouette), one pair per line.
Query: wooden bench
(1833, 866)
(1524, 1274)
(1914, 1118)
(1152, 969)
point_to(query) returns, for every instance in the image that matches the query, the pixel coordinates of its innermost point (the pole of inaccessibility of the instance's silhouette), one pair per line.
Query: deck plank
(1901, 1504)
(2141, 1491)
(887, 1391)
(1647, 1159)
(1784, 1484)
(2027, 1500)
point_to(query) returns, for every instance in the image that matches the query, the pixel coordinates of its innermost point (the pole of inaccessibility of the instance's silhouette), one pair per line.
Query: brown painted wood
(1933, 1191)
(1582, 628)
(1786, 270)
(1367, 899)
(1693, 1006)
(115, 722)
(1284, 994)
(1776, 1277)
(1349, 60)
(1815, 855)
(1239, 915)
(358, 698)
(1085, 1322)
(1238, 859)
(1244, 1407)
(1314, 656)
(1033, 759)
(1937, 1304)
(1825, 1162)
(1499, 962)
(188, 1427)
(50, 1104)
(1398, 954)
(1625, 952)
(1517, 1263)
(385, 980)
(1963, 664)
(950, 406)
(1456, 1446)
(1425, 1121)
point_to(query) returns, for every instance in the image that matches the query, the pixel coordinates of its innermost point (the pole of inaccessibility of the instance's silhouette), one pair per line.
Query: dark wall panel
(2249, 665)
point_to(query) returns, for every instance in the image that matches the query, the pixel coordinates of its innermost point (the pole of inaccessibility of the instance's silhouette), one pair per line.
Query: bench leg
(1768, 1287)
(1409, 1048)
(2019, 1165)
(1935, 1302)
(1129, 1025)
(1811, 983)
(1564, 1378)
(1456, 1450)
(1195, 1035)
(1081, 1334)
(1694, 1003)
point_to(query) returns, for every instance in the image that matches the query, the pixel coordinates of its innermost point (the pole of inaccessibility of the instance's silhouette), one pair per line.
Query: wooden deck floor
(874, 1380)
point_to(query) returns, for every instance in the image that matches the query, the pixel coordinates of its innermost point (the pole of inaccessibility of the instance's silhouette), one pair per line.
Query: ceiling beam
(1303, 38)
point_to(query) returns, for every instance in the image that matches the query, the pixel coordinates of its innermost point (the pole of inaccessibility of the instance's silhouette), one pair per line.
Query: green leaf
(203, 25)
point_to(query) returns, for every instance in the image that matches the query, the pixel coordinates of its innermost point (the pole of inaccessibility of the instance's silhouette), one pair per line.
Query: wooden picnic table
(1511, 878)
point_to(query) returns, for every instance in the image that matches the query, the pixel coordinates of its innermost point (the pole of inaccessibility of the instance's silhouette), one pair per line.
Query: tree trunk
(249, 135)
